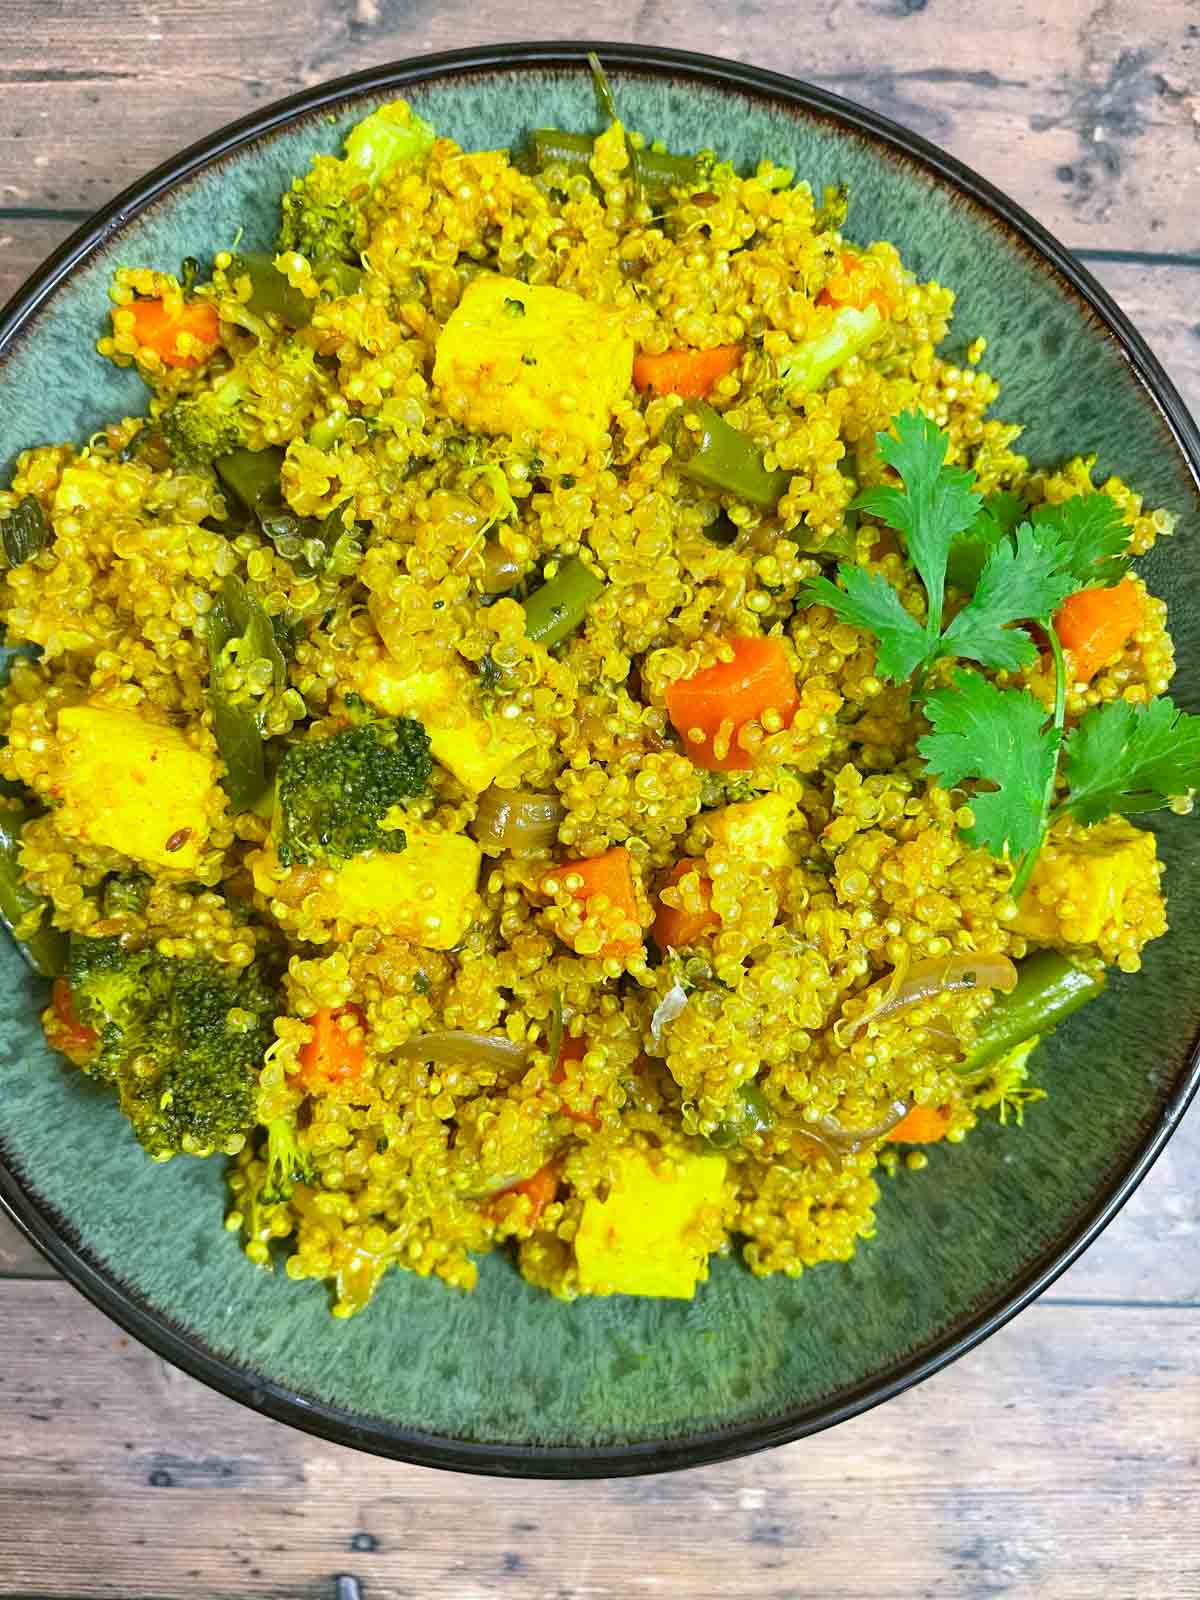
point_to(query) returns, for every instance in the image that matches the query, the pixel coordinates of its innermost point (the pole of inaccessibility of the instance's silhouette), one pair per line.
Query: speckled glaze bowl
(506, 1380)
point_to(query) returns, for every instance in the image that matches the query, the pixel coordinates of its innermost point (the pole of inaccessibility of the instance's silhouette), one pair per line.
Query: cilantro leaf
(1124, 758)
(969, 550)
(994, 736)
(936, 503)
(1093, 535)
(869, 602)
(1023, 579)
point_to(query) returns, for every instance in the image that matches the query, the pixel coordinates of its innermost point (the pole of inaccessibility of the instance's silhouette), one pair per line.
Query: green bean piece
(253, 477)
(721, 458)
(558, 607)
(272, 295)
(751, 1113)
(25, 531)
(236, 616)
(42, 945)
(1049, 988)
(659, 170)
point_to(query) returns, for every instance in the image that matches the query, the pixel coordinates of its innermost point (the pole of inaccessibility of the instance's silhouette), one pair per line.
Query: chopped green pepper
(25, 531)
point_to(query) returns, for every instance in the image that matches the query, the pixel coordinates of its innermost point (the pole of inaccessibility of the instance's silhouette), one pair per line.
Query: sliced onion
(943, 975)
(447, 1046)
(517, 820)
(854, 1139)
(668, 1008)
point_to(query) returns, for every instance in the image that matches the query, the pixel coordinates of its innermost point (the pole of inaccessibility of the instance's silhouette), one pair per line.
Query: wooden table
(1060, 1460)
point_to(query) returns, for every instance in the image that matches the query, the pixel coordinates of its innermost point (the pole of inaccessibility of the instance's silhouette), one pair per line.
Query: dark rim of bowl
(152, 1328)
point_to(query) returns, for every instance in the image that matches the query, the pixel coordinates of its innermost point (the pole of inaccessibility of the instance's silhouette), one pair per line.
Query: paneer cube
(757, 829)
(515, 358)
(655, 1231)
(425, 893)
(134, 785)
(1092, 885)
(475, 749)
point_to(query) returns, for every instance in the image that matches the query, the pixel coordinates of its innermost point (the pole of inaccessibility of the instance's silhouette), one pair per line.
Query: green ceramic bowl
(507, 1380)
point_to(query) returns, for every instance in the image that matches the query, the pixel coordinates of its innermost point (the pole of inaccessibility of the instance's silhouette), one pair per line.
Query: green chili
(719, 457)
(237, 618)
(751, 1113)
(659, 170)
(1049, 988)
(272, 295)
(558, 607)
(25, 914)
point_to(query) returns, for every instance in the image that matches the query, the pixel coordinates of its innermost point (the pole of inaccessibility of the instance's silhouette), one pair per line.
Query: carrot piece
(574, 1050)
(610, 875)
(922, 1125)
(676, 928)
(158, 329)
(334, 1054)
(1096, 624)
(720, 700)
(74, 1038)
(690, 373)
(540, 1189)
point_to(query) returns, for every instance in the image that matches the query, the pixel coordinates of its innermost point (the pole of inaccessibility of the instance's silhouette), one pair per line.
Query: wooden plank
(211, 1500)
(1162, 299)
(1088, 115)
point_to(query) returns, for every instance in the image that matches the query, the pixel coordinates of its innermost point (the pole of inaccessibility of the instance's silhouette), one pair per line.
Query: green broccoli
(181, 1039)
(287, 1164)
(198, 428)
(323, 216)
(331, 795)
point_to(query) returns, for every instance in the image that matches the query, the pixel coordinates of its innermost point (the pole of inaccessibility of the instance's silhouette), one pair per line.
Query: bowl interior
(609, 1381)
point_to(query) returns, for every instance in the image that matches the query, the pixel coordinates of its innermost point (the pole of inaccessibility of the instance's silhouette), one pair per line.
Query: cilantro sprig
(1014, 567)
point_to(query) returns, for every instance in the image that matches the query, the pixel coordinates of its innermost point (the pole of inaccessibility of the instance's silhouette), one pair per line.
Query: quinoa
(427, 1164)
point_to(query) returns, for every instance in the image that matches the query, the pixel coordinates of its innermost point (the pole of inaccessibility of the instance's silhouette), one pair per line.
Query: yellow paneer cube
(1084, 883)
(654, 1232)
(425, 893)
(757, 829)
(134, 785)
(475, 749)
(515, 359)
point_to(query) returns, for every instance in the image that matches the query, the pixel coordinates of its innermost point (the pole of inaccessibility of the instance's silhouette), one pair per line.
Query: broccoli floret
(323, 215)
(182, 1041)
(125, 894)
(332, 794)
(287, 1164)
(199, 427)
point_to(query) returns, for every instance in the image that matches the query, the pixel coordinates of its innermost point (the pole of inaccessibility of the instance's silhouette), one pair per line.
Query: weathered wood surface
(1057, 1462)
(1086, 110)
(1058, 1465)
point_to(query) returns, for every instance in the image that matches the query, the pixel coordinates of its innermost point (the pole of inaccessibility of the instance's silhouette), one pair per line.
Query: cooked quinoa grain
(612, 918)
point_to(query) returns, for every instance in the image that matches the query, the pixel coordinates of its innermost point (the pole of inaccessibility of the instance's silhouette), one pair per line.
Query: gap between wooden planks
(1087, 112)
(145, 1483)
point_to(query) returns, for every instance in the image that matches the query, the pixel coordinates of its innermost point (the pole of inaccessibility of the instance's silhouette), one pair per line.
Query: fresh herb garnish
(1015, 567)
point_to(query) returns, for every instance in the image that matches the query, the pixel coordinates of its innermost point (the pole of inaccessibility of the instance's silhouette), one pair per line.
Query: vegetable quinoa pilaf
(567, 726)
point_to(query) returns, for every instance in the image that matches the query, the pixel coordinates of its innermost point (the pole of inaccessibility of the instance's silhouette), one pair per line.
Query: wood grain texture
(963, 1487)
(1086, 110)
(1058, 1462)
